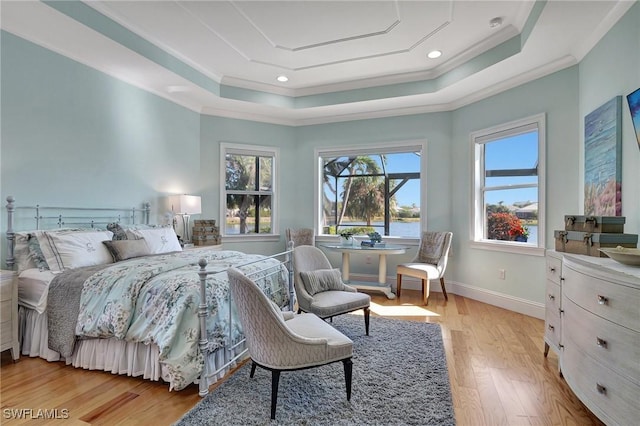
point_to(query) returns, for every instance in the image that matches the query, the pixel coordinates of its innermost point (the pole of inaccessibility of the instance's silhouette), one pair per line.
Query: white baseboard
(512, 303)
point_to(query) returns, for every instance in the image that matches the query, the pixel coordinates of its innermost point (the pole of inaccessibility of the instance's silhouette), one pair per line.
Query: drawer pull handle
(601, 342)
(551, 327)
(601, 389)
(551, 297)
(552, 269)
(602, 300)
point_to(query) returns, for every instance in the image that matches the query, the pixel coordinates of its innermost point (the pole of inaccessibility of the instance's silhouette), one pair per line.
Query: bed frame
(47, 217)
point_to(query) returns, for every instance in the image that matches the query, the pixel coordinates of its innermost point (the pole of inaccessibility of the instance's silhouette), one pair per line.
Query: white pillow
(159, 240)
(65, 250)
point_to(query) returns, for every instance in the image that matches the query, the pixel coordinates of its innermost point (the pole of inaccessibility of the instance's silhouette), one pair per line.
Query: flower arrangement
(375, 237)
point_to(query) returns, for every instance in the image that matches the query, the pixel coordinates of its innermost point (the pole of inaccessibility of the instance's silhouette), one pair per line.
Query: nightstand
(9, 313)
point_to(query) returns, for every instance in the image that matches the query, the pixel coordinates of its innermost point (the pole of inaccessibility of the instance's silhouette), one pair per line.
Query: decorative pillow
(286, 315)
(126, 249)
(35, 253)
(21, 255)
(118, 232)
(65, 250)
(159, 240)
(28, 251)
(322, 280)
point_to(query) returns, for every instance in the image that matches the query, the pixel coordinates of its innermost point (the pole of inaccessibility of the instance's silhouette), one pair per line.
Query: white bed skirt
(113, 355)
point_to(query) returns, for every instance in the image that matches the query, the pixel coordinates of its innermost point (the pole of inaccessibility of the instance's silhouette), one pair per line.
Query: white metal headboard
(47, 217)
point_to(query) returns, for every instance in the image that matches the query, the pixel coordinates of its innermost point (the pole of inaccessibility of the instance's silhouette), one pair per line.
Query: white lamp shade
(186, 204)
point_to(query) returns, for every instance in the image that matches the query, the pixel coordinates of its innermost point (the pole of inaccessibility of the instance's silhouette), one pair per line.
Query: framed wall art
(633, 99)
(603, 160)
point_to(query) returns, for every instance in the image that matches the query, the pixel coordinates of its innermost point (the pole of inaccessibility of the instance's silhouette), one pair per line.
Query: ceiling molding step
(111, 29)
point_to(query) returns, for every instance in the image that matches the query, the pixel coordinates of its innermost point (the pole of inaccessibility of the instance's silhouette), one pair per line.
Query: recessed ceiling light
(434, 54)
(495, 22)
(282, 78)
(177, 89)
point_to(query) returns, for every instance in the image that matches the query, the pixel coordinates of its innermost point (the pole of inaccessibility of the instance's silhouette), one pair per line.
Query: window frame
(477, 212)
(257, 150)
(381, 148)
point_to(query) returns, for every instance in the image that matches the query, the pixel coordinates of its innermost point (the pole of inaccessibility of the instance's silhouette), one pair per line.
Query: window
(249, 196)
(372, 189)
(508, 180)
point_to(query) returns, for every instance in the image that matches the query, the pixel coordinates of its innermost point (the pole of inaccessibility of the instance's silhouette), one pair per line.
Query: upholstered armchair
(300, 237)
(430, 262)
(281, 341)
(319, 287)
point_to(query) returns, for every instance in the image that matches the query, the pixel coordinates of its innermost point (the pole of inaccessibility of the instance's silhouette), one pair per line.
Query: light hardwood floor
(496, 367)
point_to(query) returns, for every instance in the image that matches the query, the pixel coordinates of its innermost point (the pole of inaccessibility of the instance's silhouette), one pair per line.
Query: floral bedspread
(155, 300)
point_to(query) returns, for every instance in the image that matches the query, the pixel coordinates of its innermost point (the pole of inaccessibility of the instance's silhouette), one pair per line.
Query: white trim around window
(387, 147)
(478, 139)
(263, 151)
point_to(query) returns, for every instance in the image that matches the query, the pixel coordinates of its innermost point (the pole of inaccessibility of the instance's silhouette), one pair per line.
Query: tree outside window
(249, 191)
(364, 192)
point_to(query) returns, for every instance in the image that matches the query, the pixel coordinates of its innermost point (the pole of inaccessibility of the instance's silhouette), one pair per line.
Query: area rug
(399, 378)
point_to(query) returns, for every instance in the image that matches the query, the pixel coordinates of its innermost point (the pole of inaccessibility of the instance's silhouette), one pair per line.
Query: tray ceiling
(343, 59)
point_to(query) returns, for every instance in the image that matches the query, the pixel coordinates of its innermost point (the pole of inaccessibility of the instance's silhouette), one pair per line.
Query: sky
(520, 151)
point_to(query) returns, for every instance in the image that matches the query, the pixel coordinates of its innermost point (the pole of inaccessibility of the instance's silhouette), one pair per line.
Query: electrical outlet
(368, 260)
(501, 274)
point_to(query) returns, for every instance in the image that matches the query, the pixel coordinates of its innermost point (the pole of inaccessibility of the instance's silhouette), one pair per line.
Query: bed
(102, 289)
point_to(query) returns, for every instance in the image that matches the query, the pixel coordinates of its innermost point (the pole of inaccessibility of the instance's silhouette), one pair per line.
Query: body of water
(402, 229)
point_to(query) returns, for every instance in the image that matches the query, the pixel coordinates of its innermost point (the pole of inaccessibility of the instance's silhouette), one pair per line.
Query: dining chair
(301, 236)
(430, 262)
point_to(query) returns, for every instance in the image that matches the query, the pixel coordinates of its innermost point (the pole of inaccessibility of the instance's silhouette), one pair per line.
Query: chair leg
(253, 369)
(275, 380)
(348, 369)
(444, 290)
(366, 320)
(425, 291)
(398, 284)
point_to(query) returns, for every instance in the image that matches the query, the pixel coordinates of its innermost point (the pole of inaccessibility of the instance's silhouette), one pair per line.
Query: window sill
(508, 247)
(242, 238)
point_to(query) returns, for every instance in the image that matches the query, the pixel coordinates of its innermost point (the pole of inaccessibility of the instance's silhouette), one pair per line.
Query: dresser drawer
(614, 302)
(554, 268)
(553, 296)
(610, 396)
(552, 327)
(612, 345)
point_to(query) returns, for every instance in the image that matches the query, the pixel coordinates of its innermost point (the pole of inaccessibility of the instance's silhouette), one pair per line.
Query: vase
(346, 241)
(521, 239)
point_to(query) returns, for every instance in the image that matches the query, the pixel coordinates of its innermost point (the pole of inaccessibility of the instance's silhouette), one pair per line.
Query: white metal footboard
(230, 357)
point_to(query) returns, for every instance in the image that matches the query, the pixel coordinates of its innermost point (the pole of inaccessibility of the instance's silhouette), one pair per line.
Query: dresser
(593, 322)
(9, 313)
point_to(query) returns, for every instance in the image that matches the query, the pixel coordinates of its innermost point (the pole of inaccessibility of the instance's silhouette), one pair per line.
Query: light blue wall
(215, 130)
(434, 128)
(556, 96)
(75, 136)
(612, 68)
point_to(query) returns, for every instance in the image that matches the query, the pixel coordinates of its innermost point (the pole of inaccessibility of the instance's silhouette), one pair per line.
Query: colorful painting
(603, 160)
(634, 109)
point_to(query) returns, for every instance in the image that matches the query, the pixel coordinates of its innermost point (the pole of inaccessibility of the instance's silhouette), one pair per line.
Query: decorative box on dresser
(9, 313)
(599, 336)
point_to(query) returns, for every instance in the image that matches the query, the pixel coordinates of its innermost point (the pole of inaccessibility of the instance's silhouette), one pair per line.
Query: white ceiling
(345, 59)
